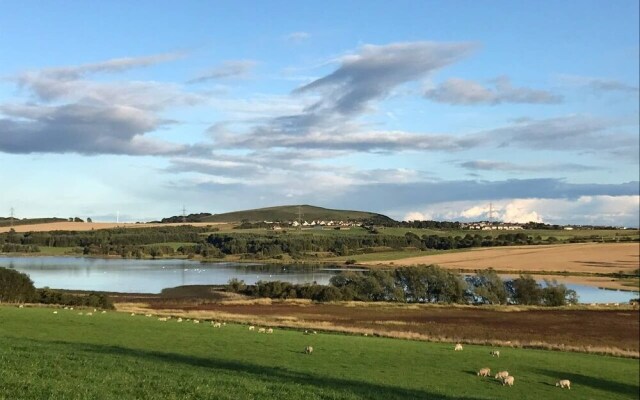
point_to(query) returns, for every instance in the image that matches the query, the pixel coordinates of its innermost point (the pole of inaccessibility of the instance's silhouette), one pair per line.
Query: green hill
(290, 213)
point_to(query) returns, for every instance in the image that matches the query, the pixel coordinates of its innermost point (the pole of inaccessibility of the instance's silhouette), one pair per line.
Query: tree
(15, 286)
(89, 220)
(555, 294)
(526, 290)
(488, 287)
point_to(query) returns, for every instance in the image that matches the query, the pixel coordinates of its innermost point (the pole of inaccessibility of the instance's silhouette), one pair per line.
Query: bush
(15, 287)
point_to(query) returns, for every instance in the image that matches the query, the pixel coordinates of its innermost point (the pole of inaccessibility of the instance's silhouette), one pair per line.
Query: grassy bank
(115, 356)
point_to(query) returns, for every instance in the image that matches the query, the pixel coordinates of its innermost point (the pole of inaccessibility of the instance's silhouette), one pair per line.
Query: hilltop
(286, 213)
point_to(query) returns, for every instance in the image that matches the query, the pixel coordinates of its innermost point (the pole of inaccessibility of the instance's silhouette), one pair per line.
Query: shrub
(15, 287)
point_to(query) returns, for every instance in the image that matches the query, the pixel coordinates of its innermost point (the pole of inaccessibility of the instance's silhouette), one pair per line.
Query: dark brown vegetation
(599, 330)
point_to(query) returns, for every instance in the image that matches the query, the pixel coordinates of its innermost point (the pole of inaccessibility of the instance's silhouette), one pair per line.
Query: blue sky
(416, 109)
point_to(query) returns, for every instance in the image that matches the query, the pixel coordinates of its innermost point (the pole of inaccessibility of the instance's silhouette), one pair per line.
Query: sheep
(314, 332)
(89, 314)
(252, 328)
(179, 320)
(216, 324)
(564, 383)
(163, 319)
(103, 312)
(21, 306)
(80, 313)
(306, 332)
(508, 381)
(458, 347)
(196, 321)
(55, 312)
(484, 372)
(148, 315)
(262, 330)
(501, 375)
(133, 314)
(269, 330)
(224, 324)
(308, 349)
(495, 353)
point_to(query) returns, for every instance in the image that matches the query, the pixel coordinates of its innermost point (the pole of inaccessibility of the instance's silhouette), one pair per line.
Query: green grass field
(116, 356)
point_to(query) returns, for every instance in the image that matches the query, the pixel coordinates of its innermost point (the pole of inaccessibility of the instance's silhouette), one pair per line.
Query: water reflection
(151, 276)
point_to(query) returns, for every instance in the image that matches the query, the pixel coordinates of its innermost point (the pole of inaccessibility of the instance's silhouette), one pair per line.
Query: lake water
(151, 276)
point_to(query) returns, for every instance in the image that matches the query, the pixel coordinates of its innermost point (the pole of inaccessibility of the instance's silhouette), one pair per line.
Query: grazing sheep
(306, 332)
(55, 312)
(252, 328)
(179, 320)
(224, 324)
(564, 383)
(196, 321)
(495, 353)
(314, 332)
(80, 313)
(89, 314)
(269, 330)
(70, 308)
(103, 312)
(508, 381)
(21, 306)
(216, 324)
(501, 375)
(133, 314)
(484, 372)
(458, 347)
(163, 319)
(95, 310)
(308, 350)
(148, 315)
(262, 330)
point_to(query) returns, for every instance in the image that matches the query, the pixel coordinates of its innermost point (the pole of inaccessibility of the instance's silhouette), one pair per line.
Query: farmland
(114, 356)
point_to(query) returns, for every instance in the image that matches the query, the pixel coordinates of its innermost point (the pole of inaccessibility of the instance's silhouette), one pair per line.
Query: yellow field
(572, 258)
(87, 226)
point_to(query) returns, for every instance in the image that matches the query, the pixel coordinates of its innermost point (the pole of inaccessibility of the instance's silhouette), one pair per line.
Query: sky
(414, 109)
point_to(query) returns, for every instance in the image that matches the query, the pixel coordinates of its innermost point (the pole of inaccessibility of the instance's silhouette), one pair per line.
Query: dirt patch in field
(610, 330)
(572, 258)
(88, 226)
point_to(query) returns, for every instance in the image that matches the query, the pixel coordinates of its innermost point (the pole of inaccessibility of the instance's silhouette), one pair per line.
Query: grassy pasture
(116, 356)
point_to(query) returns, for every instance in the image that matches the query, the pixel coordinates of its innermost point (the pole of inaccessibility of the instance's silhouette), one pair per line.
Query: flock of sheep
(503, 376)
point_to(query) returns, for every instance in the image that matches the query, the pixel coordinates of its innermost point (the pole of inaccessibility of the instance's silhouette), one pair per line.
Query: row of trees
(17, 287)
(423, 284)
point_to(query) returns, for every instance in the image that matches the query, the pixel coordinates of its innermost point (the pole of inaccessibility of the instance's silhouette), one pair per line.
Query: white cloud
(594, 210)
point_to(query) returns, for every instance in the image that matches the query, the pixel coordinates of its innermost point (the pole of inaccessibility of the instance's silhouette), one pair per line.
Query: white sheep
(133, 314)
(501, 375)
(495, 353)
(484, 372)
(262, 330)
(55, 312)
(458, 347)
(216, 324)
(103, 312)
(89, 314)
(163, 319)
(179, 320)
(269, 330)
(21, 306)
(196, 321)
(314, 332)
(508, 381)
(308, 350)
(252, 328)
(564, 383)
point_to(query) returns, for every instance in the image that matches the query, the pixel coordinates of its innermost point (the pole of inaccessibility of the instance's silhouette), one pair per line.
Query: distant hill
(287, 213)
(6, 221)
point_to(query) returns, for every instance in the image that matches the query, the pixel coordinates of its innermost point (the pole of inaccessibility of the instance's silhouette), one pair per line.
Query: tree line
(17, 287)
(421, 284)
